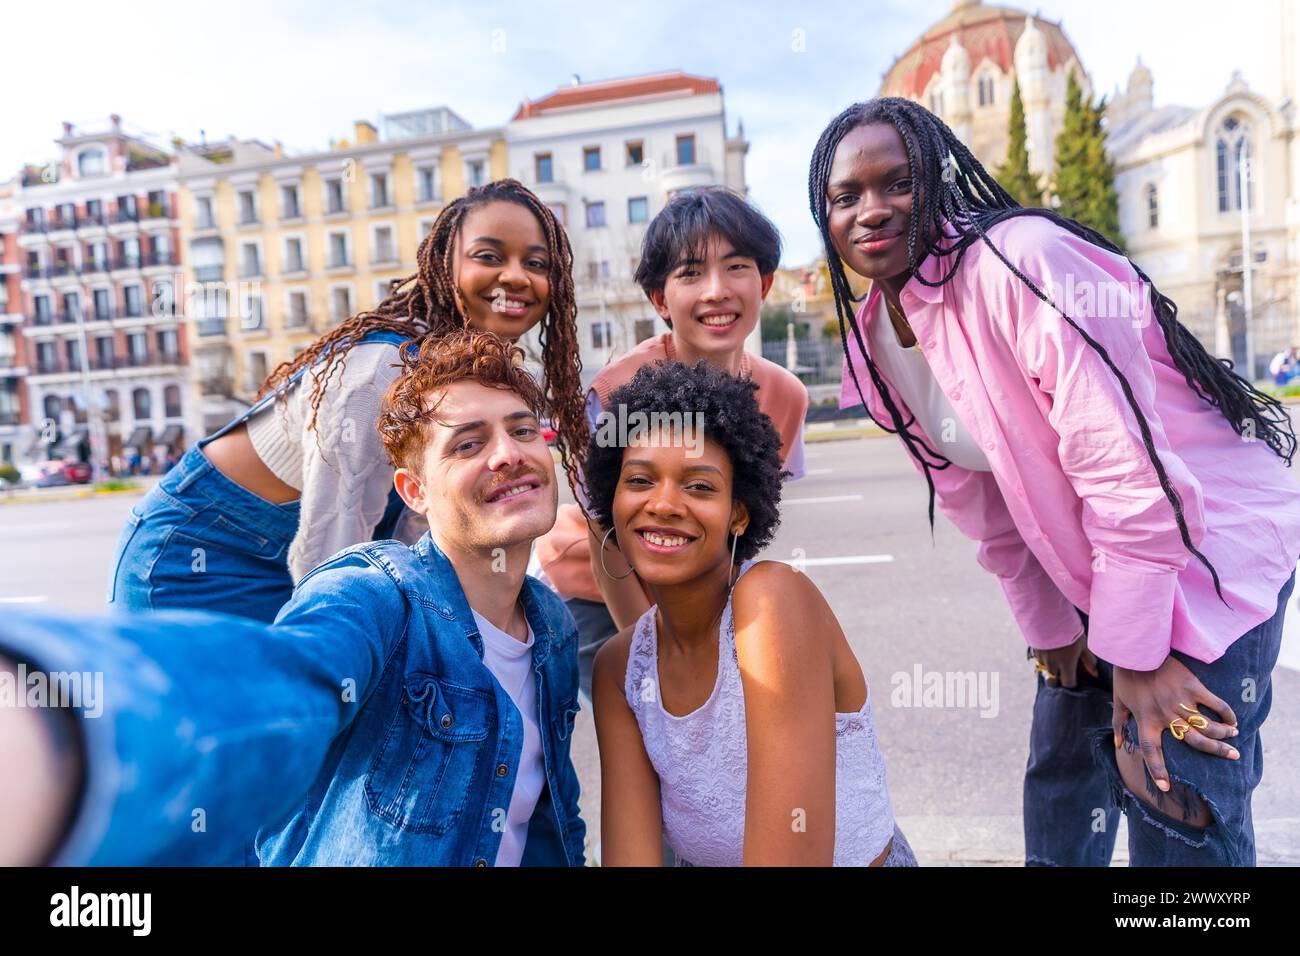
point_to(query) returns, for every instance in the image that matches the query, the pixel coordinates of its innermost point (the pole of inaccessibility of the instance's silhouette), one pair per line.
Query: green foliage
(1014, 175)
(774, 320)
(1084, 179)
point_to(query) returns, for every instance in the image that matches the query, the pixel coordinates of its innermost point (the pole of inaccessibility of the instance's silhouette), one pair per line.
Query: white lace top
(702, 759)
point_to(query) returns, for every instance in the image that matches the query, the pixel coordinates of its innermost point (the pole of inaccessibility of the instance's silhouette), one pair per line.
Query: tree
(774, 322)
(1084, 180)
(1014, 175)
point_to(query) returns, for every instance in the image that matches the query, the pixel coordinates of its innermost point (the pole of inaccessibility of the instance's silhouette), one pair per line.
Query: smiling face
(501, 267)
(713, 302)
(869, 201)
(486, 478)
(674, 513)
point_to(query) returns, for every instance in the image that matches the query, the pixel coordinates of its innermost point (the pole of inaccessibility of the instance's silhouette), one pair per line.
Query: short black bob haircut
(731, 418)
(683, 228)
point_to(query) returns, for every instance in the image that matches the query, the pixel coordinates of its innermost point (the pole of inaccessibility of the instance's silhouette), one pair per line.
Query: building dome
(985, 32)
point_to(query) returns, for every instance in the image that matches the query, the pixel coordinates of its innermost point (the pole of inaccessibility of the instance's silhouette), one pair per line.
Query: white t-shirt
(511, 663)
(907, 370)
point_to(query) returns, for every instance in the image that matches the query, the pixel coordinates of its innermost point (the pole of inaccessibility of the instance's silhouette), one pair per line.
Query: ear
(767, 283)
(656, 297)
(411, 490)
(739, 518)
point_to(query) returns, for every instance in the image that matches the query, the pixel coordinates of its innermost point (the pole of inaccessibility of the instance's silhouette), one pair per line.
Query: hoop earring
(734, 538)
(616, 577)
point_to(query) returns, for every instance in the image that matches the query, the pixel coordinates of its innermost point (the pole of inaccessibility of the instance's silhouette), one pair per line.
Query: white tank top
(702, 761)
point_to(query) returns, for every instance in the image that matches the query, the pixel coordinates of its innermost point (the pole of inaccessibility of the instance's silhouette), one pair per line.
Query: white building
(98, 248)
(605, 157)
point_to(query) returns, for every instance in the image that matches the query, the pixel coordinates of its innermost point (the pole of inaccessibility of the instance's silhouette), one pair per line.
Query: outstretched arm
(198, 729)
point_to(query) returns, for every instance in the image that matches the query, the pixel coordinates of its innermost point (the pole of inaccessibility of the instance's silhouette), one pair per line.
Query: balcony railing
(10, 418)
(90, 219)
(93, 266)
(35, 272)
(161, 258)
(157, 210)
(133, 311)
(38, 225)
(48, 366)
(126, 215)
(60, 269)
(62, 222)
(102, 363)
(126, 262)
(40, 318)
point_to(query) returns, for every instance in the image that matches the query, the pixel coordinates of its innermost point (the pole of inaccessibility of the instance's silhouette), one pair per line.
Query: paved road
(954, 775)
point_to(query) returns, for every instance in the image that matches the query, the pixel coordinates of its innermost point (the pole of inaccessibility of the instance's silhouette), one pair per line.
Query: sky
(302, 72)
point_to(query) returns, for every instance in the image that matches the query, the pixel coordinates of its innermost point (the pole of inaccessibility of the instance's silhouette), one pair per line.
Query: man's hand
(1170, 694)
(1062, 663)
(36, 784)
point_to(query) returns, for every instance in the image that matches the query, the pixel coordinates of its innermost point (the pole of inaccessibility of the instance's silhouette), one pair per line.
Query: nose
(504, 452)
(512, 275)
(714, 289)
(873, 211)
(665, 502)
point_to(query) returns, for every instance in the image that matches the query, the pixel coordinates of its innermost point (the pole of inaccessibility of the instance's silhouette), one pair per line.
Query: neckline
(886, 329)
(659, 681)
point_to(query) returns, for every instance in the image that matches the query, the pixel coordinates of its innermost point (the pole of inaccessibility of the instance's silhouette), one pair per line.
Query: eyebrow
(696, 261)
(649, 464)
(490, 240)
(480, 423)
(897, 170)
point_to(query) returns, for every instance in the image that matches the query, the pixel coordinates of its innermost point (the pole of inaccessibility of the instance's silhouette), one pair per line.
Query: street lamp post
(1243, 197)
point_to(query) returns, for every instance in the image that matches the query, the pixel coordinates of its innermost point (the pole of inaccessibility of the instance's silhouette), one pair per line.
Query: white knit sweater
(340, 467)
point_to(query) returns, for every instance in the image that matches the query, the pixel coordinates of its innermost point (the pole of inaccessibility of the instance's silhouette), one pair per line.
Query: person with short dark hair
(733, 717)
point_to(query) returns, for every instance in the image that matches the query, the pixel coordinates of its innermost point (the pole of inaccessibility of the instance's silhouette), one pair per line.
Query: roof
(1129, 134)
(987, 33)
(583, 95)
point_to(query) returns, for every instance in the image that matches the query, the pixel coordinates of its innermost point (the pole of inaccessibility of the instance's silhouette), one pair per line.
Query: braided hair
(951, 188)
(429, 303)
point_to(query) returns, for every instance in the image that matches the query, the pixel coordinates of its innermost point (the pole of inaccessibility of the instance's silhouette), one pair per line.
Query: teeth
(514, 492)
(720, 320)
(664, 540)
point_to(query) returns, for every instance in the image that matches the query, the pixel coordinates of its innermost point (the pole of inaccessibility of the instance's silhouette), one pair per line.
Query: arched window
(111, 408)
(172, 401)
(1232, 147)
(1153, 206)
(53, 406)
(986, 90)
(90, 162)
(140, 403)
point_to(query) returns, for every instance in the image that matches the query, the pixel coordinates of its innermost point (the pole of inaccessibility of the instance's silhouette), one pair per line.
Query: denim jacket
(361, 728)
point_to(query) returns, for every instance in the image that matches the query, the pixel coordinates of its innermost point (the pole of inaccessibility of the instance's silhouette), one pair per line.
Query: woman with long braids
(301, 474)
(1123, 484)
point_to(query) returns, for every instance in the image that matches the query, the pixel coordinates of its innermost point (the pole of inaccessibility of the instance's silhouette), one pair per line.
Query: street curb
(27, 497)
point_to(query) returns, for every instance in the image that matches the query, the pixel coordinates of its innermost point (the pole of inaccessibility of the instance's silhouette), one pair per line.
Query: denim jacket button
(446, 721)
(480, 862)
(502, 770)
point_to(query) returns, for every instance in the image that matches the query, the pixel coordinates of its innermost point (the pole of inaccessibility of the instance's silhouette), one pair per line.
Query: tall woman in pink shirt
(1128, 489)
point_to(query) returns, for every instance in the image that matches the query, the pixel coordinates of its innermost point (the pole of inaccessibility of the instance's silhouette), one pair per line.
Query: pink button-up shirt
(1072, 512)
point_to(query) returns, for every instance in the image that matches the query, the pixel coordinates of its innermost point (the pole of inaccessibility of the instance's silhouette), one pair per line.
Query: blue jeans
(1074, 792)
(198, 541)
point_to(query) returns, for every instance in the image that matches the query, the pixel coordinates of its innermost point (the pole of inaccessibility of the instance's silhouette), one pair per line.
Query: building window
(378, 190)
(635, 152)
(558, 209)
(645, 328)
(426, 227)
(103, 305)
(250, 260)
(384, 248)
(334, 196)
(543, 169)
(1153, 207)
(595, 215)
(254, 318)
(1232, 147)
(686, 150)
(474, 172)
(601, 334)
(290, 208)
(638, 209)
(986, 90)
(172, 401)
(293, 258)
(133, 297)
(91, 163)
(936, 103)
(340, 304)
(591, 159)
(141, 403)
(247, 207)
(164, 299)
(258, 369)
(203, 213)
(598, 270)
(427, 181)
(338, 250)
(297, 317)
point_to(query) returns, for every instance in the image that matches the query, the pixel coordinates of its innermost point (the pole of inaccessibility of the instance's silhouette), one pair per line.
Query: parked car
(49, 474)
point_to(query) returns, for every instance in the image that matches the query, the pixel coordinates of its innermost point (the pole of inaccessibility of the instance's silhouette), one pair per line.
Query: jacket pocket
(425, 769)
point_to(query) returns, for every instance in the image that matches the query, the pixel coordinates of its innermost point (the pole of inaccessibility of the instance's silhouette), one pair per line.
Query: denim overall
(199, 541)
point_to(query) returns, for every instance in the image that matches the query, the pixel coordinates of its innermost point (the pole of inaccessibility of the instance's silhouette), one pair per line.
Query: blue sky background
(302, 72)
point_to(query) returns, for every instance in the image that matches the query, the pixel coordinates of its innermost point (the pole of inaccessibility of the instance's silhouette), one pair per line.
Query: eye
(700, 486)
(526, 431)
(465, 446)
(903, 185)
(638, 480)
(485, 256)
(844, 199)
(539, 264)
(740, 265)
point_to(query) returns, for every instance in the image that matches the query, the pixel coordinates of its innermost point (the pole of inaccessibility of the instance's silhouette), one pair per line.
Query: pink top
(1072, 512)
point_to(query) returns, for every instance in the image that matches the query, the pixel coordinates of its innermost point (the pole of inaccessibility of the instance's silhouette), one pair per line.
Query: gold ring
(1197, 720)
(1178, 727)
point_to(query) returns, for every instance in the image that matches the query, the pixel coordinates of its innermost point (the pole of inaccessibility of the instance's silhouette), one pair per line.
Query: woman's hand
(1170, 694)
(1062, 663)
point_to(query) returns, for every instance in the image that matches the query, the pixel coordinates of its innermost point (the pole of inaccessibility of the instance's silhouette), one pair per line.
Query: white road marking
(824, 500)
(844, 559)
(27, 599)
(818, 471)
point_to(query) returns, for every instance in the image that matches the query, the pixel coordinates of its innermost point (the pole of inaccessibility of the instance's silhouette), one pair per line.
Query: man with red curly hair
(409, 706)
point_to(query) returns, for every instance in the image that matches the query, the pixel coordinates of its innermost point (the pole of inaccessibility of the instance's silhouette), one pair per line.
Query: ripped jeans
(1074, 793)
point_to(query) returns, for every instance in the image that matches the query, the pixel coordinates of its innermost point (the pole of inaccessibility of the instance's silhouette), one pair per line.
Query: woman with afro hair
(733, 719)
